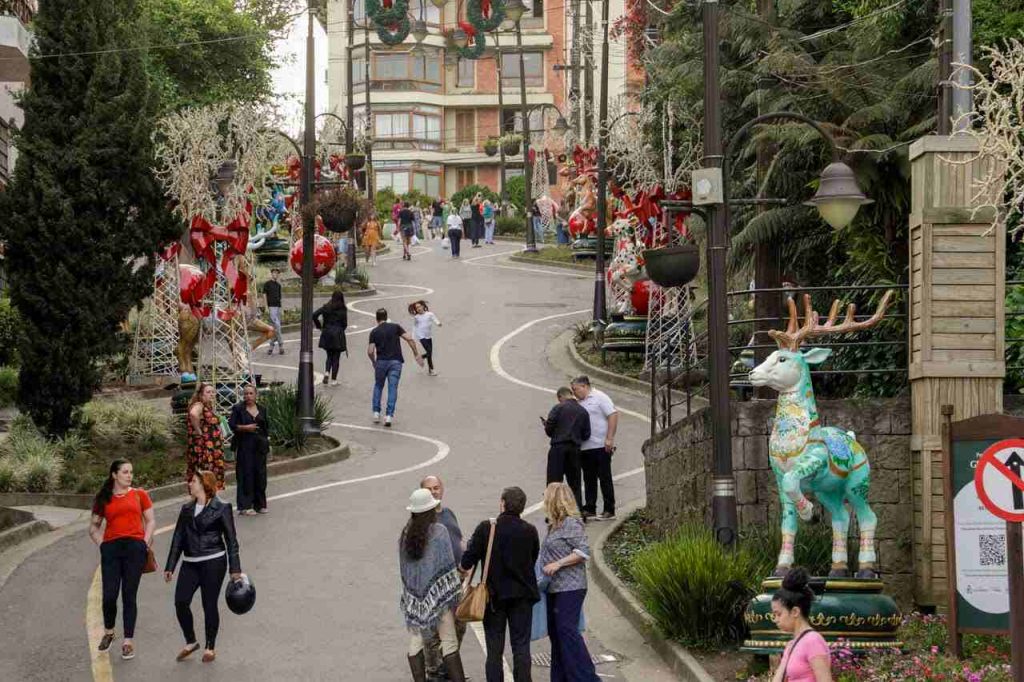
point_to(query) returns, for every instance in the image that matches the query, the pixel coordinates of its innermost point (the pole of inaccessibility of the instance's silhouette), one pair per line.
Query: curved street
(324, 561)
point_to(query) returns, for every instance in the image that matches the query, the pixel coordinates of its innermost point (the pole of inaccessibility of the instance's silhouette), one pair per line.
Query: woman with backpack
(205, 541)
(122, 525)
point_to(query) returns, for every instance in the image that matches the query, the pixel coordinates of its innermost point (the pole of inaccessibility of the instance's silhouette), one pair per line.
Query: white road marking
(551, 271)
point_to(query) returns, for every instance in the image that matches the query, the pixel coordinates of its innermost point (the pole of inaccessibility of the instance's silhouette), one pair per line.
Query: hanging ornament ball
(577, 224)
(641, 296)
(323, 257)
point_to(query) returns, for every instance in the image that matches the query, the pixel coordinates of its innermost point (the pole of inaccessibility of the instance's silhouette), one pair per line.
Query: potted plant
(491, 146)
(672, 266)
(355, 160)
(511, 143)
(339, 208)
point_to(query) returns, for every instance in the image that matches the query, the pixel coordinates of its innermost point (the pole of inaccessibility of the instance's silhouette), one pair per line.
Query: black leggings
(121, 564)
(428, 352)
(206, 576)
(333, 363)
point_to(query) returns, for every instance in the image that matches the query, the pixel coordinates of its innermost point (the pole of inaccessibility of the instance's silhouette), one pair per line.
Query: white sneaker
(432, 373)
(376, 417)
(334, 382)
(387, 421)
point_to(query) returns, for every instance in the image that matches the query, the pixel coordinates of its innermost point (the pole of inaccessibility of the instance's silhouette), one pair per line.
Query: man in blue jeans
(385, 352)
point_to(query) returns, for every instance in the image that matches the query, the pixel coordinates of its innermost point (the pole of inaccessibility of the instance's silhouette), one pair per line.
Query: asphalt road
(324, 560)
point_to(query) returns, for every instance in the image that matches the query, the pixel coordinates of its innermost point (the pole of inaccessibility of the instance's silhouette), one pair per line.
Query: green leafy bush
(812, 550)
(117, 422)
(515, 190)
(29, 462)
(383, 200)
(7, 475)
(510, 225)
(281, 403)
(470, 191)
(695, 588)
(10, 328)
(8, 386)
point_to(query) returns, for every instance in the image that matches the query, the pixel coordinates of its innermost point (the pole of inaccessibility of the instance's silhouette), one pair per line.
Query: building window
(464, 177)
(392, 125)
(534, 63)
(465, 129)
(358, 10)
(512, 120)
(466, 77)
(536, 8)
(426, 67)
(427, 184)
(432, 15)
(397, 181)
(426, 127)
(358, 70)
(391, 66)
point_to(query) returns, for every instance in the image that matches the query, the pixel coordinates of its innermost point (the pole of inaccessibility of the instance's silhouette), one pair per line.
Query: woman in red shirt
(124, 542)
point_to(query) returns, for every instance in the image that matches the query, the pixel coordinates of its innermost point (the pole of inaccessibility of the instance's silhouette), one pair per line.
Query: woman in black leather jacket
(332, 320)
(205, 534)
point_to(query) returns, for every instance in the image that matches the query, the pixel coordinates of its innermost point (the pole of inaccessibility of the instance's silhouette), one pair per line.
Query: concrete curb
(326, 293)
(620, 380)
(22, 532)
(678, 659)
(339, 452)
(551, 264)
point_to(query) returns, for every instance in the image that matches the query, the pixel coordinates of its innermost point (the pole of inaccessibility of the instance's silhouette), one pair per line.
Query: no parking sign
(998, 479)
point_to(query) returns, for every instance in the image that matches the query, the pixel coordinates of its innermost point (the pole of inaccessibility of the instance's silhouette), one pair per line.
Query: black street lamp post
(307, 423)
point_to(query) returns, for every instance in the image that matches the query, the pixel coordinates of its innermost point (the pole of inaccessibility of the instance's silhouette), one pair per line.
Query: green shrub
(281, 403)
(72, 447)
(125, 422)
(515, 190)
(8, 386)
(10, 328)
(40, 471)
(812, 550)
(7, 475)
(695, 589)
(22, 425)
(471, 191)
(510, 225)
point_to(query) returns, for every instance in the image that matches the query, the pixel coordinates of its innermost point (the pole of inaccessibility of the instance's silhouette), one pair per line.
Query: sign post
(984, 490)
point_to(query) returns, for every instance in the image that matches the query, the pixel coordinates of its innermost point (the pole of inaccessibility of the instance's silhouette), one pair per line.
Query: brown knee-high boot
(418, 666)
(453, 665)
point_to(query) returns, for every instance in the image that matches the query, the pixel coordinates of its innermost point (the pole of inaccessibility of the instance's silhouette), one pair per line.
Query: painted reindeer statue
(808, 457)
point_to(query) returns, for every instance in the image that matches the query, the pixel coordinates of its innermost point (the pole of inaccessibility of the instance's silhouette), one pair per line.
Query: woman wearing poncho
(430, 586)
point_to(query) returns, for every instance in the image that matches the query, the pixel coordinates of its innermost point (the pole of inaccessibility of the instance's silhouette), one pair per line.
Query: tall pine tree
(83, 207)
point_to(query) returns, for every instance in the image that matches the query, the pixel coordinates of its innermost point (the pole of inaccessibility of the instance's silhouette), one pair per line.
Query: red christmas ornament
(641, 296)
(323, 257)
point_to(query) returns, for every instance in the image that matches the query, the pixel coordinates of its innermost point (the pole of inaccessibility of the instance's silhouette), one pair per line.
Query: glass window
(536, 8)
(465, 129)
(534, 63)
(395, 180)
(432, 15)
(392, 125)
(466, 77)
(358, 10)
(391, 66)
(358, 70)
(464, 177)
(426, 127)
(427, 184)
(426, 67)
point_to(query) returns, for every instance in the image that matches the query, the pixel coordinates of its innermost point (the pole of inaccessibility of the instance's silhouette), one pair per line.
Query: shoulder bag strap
(785, 665)
(490, 545)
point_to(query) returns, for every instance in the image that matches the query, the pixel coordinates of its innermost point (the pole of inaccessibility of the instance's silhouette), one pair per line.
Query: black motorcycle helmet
(240, 595)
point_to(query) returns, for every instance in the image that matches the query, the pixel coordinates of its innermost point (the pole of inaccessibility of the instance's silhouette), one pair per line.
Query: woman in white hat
(430, 585)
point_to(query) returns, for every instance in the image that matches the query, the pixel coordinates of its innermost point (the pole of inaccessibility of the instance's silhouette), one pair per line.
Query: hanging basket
(355, 161)
(511, 147)
(491, 147)
(672, 266)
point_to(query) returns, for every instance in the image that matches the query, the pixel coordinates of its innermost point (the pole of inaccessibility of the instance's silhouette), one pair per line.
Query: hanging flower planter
(511, 144)
(672, 266)
(355, 161)
(491, 146)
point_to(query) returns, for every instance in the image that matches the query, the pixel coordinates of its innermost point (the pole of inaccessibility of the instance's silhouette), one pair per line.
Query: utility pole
(368, 168)
(305, 378)
(587, 101)
(501, 122)
(574, 79)
(723, 494)
(531, 238)
(962, 101)
(602, 174)
(350, 28)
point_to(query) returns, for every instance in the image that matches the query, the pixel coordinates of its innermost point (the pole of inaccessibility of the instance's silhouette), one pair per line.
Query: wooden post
(955, 327)
(1015, 567)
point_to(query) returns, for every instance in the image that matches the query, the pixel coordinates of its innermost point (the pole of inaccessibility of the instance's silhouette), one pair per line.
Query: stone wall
(679, 465)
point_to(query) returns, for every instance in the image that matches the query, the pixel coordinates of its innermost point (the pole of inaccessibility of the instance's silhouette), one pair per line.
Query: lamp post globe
(514, 10)
(838, 198)
(561, 126)
(418, 30)
(438, 3)
(459, 38)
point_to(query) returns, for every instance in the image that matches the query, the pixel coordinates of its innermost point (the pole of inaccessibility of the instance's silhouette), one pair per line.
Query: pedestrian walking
(272, 293)
(596, 452)
(538, 225)
(423, 324)
(205, 435)
(371, 240)
(446, 517)
(430, 586)
(455, 225)
(466, 213)
(205, 541)
(407, 230)
(251, 443)
(385, 353)
(122, 525)
(806, 656)
(476, 220)
(332, 320)
(489, 223)
(511, 584)
(437, 217)
(563, 558)
(568, 427)
(417, 222)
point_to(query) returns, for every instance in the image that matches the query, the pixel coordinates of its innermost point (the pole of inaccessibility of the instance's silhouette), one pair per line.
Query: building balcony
(15, 38)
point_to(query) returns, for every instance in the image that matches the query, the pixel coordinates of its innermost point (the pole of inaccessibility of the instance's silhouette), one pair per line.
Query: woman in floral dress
(205, 440)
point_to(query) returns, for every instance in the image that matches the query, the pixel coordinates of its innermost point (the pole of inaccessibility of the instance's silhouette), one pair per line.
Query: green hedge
(10, 330)
(8, 386)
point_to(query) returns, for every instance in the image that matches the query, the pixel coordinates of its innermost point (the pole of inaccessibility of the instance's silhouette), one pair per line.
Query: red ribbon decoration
(170, 251)
(203, 235)
(193, 287)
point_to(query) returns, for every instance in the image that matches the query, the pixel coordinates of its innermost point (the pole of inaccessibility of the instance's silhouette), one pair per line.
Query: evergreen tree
(84, 211)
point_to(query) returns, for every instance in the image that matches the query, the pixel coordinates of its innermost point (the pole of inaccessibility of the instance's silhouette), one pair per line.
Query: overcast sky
(290, 77)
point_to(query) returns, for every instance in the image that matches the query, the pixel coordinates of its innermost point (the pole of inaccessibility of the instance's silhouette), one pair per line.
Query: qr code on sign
(992, 550)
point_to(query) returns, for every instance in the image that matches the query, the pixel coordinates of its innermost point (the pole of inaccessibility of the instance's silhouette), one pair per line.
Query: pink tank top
(797, 659)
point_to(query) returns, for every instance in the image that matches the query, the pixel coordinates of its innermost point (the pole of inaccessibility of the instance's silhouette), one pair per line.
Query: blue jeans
(538, 229)
(489, 231)
(390, 371)
(275, 319)
(570, 660)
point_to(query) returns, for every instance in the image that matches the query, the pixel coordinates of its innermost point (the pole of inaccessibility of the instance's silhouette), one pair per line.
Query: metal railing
(25, 10)
(749, 343)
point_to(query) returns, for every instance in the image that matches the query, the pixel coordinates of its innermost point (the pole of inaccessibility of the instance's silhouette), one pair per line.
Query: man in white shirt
(454, 232)
(596, 452)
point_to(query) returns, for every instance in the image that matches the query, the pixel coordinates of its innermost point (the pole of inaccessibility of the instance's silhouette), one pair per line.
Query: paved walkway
(324, 560)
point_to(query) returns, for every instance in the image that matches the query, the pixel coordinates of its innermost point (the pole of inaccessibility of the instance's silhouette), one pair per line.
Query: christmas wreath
(387, 16)
(394, 34)
(477, 9)
(475, 52)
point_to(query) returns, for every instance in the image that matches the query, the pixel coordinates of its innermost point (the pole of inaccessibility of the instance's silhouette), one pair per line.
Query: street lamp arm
(298, 150)
(776, 116)
(339, 119)
(624, 114)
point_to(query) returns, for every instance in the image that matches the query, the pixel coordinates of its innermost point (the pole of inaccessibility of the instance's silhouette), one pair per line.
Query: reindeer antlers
(796, 333)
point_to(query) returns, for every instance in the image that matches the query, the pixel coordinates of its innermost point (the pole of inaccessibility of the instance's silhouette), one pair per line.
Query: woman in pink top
(806, 657)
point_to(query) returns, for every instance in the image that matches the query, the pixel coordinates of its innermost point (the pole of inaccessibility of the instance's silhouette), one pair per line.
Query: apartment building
(431, 112)
(15, 38)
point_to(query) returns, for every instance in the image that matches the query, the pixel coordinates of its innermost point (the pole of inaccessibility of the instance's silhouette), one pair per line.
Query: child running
(423, 321)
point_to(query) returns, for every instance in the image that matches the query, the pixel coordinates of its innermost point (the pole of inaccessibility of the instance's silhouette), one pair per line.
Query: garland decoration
(486, 15)
(394, 34)
(389, 14)
(475, 52)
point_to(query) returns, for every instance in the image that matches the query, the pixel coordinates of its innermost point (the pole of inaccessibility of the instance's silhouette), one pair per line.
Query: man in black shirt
(385, 352)
(511, 584)
(272, 292)
(568, 426)
(405, 224)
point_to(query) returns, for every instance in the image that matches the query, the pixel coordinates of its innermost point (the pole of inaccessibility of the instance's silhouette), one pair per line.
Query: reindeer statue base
(849, 612)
